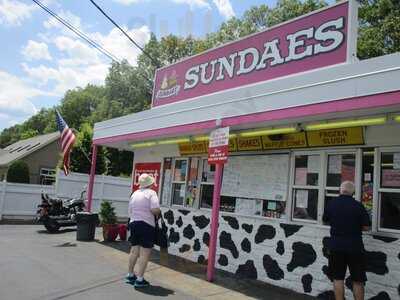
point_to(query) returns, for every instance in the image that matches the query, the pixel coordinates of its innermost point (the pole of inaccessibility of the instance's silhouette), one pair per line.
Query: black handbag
(161, 236)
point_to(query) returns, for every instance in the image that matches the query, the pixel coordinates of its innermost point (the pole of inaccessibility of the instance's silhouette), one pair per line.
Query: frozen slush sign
(313, 41)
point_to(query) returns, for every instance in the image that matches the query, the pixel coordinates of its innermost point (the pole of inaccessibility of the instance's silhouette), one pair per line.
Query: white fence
(19, 201)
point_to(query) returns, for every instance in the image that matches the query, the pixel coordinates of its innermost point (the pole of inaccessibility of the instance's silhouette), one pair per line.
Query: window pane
(367, 180)
(341, 167)
(180, 170)
(228, 204)
(390, 210)
(307, 169)
(274, 209)
(206, 195)
(390, 170)
(178, 193)
(208, 172)
(305, 204)
(167, 181)
(192, 185)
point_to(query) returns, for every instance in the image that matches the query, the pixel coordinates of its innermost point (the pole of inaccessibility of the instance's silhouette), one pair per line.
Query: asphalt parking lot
(35, 265)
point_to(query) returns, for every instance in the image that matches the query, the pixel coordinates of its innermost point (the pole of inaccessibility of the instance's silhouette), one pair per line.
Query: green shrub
(18, 172)
(107, 213)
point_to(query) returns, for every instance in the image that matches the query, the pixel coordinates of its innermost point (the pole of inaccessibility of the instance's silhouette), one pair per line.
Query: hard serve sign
(219, 146)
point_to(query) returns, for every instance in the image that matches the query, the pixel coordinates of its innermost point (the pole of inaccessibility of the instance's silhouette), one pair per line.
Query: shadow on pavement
(249, 287)
(155, 290)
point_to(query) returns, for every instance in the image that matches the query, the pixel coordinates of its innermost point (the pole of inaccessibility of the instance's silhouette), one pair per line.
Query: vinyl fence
(19, 201)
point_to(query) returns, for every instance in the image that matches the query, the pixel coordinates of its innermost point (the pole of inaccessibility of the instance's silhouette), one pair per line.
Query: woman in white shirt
(143, 207)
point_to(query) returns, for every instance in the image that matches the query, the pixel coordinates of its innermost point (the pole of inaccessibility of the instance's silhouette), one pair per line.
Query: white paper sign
(396, 161)
(248, 207)
(182, 192)
(367, 177)
(219, 137)
(313, 164)
(302, 198)
(166, 194)
(335, 164)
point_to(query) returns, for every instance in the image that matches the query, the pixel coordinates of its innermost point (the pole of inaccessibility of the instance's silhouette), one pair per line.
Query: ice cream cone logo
(169, 86)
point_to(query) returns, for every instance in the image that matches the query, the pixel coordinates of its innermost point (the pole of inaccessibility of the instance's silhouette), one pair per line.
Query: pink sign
(316, 40)
(390, 178)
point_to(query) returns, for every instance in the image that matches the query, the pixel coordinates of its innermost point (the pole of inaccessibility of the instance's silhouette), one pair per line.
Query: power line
(77, 32)
(156, 63)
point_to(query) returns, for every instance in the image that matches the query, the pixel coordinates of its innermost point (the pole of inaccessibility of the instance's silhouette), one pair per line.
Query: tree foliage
(18, 172)
(128, 89)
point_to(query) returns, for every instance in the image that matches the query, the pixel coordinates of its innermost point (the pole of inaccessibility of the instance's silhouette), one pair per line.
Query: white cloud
(116, 43)
(13, 12)
(78, 52)
(36, 50)
(225, 8)
(194, 3)
(15, 98)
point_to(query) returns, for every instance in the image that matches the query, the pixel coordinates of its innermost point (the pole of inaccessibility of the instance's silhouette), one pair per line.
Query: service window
(305, 191)
(207, 184)
(367, 179)
(166, 181)
(340, 168)
(389, 191)
(179, 182)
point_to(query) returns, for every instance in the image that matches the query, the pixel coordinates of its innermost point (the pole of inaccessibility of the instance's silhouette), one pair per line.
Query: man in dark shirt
(347, 218)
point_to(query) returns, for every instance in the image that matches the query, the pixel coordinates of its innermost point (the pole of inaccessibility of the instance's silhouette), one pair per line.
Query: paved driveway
(36, 265)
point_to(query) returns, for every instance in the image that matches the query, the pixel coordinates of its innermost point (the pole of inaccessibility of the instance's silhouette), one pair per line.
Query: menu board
(166, 191)
(258, 177)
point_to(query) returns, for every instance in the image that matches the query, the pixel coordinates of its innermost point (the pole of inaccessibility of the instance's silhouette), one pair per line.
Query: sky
(41, 59)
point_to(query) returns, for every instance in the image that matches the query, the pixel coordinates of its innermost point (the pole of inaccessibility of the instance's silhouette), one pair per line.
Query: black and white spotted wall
(286, 255)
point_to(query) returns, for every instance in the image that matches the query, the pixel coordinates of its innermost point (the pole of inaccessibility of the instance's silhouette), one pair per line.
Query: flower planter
(110, 232)
(122, 229)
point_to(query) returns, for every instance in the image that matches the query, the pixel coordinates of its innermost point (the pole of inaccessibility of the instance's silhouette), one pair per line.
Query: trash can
(86, 228)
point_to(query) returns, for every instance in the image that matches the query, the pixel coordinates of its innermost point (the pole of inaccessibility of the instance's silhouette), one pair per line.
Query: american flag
(67, 140)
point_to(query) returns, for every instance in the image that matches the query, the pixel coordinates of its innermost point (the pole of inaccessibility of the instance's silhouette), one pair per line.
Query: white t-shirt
(140, 205)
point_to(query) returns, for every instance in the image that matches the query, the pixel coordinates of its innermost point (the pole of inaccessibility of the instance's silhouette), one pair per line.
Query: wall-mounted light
(273, 131)
(202, 138)
(397, 118)
(143, 145)
(342, 124)
(174, 141)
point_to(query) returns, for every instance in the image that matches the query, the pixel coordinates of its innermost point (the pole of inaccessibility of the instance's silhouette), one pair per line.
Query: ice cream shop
(302, 114)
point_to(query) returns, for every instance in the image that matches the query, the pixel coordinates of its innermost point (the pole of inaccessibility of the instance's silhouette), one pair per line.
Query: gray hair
(347, 188)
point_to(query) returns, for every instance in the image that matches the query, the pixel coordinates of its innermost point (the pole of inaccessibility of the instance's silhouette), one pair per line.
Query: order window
(179, 182)
(340, 168)
(306, 187)
(389, 191)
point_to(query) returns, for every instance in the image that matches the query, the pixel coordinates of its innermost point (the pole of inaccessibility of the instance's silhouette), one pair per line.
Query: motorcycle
(55, 212)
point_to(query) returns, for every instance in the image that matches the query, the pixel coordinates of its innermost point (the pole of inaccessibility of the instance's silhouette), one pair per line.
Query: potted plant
(108, 221)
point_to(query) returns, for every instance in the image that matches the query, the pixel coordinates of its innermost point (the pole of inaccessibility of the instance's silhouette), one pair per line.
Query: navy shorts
(340, 261)
(142, 234)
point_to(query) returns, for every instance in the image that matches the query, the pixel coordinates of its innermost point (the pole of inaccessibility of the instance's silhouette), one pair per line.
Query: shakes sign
(313, 41)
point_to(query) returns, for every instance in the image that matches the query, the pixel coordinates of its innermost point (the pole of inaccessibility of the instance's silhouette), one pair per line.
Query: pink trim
(378, 100)
(157, 132)
(214, 221)
(91, 178)
(372, 101)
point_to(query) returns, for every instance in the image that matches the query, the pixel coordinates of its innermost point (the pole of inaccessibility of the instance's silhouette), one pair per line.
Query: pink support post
(214, 222)
(91, 178)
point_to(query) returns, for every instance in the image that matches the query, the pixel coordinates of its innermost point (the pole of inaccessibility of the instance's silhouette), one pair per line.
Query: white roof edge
(335, 73)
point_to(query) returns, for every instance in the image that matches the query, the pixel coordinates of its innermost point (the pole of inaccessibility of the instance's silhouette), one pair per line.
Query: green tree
(18, 172)
(379, 31)
(29, 133)
(82, 152)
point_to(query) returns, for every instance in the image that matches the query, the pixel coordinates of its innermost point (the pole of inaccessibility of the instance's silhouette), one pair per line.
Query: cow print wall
(287, 255)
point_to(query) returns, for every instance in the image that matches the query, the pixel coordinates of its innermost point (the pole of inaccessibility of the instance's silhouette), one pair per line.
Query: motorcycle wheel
(52, 226)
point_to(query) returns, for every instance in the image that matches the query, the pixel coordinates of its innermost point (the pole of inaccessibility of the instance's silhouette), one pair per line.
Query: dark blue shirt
(346, 217)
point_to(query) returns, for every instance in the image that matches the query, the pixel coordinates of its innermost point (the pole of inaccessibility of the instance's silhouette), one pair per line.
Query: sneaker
(130, 279)
(140, 284)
